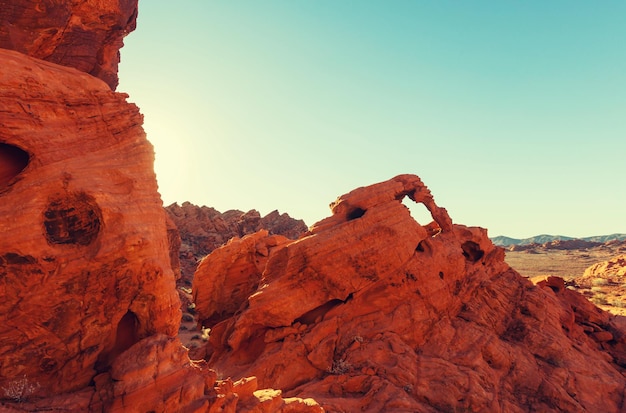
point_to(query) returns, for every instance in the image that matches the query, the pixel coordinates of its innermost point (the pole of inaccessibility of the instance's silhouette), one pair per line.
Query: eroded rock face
(84, 265)
(86, 35)
(203, 229)
(372, 311)
(230, 274)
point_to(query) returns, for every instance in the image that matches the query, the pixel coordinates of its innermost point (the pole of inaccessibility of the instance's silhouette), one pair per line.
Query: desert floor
(536, 264)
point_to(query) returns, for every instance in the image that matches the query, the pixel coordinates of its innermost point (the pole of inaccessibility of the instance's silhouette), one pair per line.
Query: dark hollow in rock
(13, 161)
(74, 218)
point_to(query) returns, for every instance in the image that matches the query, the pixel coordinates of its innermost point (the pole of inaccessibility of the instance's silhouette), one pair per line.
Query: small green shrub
(599, 282)
(599, 300)
(618, 302)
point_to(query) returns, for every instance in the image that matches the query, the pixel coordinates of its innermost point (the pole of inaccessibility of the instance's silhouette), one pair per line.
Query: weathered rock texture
(603, 284)
(203, 229)
(613, 268)
(235, 271)
(86, 35)
(84, 261)
(372, 311)
(89, 309)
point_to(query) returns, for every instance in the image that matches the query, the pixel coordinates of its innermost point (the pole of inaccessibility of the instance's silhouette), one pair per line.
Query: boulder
(230, 274)
(203, 229)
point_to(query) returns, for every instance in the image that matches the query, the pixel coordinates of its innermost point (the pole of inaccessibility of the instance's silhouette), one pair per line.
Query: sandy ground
(607, 293)
(559, 263)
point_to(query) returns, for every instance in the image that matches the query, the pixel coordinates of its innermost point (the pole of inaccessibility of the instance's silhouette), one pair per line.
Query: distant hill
(503, 241)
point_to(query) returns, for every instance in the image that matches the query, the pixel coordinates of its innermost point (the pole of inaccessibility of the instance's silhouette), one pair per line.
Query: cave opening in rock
(126, 335)
(13, 161)
(355, 213)
(126, 332)
(472, 251)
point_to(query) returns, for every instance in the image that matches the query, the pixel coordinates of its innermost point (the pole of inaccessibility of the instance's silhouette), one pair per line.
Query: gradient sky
(513, 113)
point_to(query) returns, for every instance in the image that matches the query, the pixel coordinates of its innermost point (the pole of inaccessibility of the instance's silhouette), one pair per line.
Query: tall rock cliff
(89, 310)
(373, 311)
(84, 259)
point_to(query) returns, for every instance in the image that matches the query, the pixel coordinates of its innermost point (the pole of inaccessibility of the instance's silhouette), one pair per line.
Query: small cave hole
(441, 274)
(72, 219)
(13, 161)
(125, 336)
(318, 312)
(126, 332)
(355, 213)
(472, 251)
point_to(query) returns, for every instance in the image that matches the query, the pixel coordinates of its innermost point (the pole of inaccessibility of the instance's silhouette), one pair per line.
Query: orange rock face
(89, 306)
(372, 311)
(86, 35)
(84, 265)
(203, 229)
(230, 274)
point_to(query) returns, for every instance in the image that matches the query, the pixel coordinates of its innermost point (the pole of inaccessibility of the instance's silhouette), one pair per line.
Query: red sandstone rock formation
(372, 311)
(203, 229)
(84, 258)
(572, 244)
(235, 271)
(86, 35)
(603, 283)
(613, 268)
(89, 308)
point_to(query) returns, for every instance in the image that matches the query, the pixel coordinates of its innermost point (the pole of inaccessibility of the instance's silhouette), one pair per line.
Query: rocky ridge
(387, 314)
(203, 229)
(544, 239)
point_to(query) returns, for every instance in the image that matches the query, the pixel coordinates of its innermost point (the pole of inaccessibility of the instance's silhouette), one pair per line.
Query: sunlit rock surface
(89, 305)
(84, 259)
(373, 311)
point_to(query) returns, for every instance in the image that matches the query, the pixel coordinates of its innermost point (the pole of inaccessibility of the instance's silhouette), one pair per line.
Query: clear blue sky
(513, 113)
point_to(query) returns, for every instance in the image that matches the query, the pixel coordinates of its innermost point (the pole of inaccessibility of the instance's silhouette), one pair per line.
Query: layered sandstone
(203, 229)
(86, 35)
(373, 311)
(235, 271)
(84, 259)
(90, 310)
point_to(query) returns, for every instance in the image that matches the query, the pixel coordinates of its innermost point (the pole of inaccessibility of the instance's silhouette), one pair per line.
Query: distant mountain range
(503, 241)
